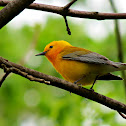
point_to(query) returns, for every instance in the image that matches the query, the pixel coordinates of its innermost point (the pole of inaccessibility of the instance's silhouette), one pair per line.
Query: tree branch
(5, 75)
(124, 116)
(71, 12)
(69, 4)
(119, 43)
(12, 9)
(50, 80)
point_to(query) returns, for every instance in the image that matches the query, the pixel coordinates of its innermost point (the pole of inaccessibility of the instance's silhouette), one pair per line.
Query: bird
(79, 65)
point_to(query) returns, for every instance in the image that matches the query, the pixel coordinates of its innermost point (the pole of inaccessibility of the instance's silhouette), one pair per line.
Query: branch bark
(71, 12)
(43, 78)
(12, 9)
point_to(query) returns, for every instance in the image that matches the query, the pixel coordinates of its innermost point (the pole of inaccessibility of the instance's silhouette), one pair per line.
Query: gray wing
(92, 57)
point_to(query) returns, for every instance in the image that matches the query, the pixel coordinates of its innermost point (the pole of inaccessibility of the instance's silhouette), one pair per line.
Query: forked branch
(71, 12)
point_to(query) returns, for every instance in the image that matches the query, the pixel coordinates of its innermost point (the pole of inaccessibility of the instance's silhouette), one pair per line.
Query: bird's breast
(74, 70)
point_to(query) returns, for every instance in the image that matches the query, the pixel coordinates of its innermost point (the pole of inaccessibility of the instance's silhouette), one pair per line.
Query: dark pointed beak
(42, 53)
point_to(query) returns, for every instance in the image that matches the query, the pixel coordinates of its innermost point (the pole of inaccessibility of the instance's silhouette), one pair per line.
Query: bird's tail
(121, 66)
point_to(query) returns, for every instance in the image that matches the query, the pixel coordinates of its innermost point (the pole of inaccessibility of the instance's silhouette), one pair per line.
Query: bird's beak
(42, 53)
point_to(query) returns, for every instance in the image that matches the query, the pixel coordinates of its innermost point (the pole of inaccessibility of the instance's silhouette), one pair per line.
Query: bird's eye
(51, 47)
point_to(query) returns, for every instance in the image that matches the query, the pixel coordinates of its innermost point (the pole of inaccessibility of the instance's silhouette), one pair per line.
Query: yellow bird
(79, 65)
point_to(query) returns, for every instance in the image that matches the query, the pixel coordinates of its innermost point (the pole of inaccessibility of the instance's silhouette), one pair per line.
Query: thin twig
(3, 78)
(124, 116)
(69, 4)
(67, 26)
(119, 43)
(64, 13)
(7, 72)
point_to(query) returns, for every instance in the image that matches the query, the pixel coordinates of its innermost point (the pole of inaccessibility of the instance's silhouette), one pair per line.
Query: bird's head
(52, 49)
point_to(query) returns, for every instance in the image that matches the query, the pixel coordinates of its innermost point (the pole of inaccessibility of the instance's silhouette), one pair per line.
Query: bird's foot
(79, 84)
(91, 89)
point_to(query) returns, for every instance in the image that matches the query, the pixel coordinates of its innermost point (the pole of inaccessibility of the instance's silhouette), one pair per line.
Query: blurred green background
(25, 103)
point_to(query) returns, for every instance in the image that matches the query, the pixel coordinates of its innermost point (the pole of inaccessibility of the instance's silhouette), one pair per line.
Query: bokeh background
(25, 103)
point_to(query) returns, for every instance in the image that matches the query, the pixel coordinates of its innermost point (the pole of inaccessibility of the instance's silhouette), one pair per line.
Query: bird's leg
(75, 82)
(78, 80)
(94, 83)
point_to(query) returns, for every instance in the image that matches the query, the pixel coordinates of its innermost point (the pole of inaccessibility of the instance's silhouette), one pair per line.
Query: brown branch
(3, 78)
(69, 4)
(5, 75)
(119, 43)
(71, 12)
(37, 76)
(12, 9)
(124, 116)
(23, 74)
(67, 26)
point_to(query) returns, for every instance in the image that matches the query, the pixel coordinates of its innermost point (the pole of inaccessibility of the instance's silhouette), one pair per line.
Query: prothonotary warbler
(79, 65)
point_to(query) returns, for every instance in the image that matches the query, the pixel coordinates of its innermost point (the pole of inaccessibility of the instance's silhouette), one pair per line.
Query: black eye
(51, 47)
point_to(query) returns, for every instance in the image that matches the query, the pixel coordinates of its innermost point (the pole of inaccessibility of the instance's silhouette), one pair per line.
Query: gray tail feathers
(121, 66)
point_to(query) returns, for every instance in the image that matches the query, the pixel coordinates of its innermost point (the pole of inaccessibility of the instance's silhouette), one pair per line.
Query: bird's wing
(93, 58)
